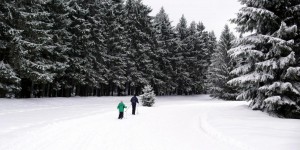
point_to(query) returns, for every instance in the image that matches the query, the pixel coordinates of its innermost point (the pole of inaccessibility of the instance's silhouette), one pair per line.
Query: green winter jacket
(121, 107)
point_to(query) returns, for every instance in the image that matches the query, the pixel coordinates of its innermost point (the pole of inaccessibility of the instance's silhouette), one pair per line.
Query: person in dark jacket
(121, 108)
(134, 100)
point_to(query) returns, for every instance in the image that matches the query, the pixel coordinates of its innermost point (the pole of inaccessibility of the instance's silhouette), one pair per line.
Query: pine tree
(196, 52)
(114, 44)
(32, 47)
(211, 46)
(203, 43)
(5, 34)
(85, 55)
(139, 46)
(9, 81)
(166, 43)
(76, 74)
(61, 43)
(182, 29)
(220, 68)
(268, 66)
(182, 75)
(192, 28)
(148, 98)
(189, 55)
(98, 49)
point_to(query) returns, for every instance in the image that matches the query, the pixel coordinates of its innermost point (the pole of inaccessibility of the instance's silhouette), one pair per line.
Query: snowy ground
(175, 123)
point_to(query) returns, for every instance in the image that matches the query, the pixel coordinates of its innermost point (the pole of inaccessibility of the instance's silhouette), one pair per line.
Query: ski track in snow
(177, 123)
(38, 109)
(211, 131)
(42, 123)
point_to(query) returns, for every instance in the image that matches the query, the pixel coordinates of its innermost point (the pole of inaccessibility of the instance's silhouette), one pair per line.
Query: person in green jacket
(121, 108)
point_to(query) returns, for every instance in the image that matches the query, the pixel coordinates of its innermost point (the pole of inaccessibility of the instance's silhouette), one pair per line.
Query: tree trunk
(112, 90)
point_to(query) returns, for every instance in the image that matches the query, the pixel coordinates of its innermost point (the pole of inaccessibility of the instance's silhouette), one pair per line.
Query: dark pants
(133, 108)
(121, 114)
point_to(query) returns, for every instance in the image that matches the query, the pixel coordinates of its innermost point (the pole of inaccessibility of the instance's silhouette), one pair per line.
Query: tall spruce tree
(114, 44)
(32, 47)
(166, 43)
(182, 28)
(268, 60)
(139, 45)
(190, 55)
(211, 45)
(9, 81)
(203, 45)
(86, 70)
(6, 8)
(61, 43)
(98, 49)
(220, 68)
(79, 72)
(182, 75)
(196, 53)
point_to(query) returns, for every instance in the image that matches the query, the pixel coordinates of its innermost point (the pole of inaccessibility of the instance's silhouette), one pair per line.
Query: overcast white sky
(213, 13)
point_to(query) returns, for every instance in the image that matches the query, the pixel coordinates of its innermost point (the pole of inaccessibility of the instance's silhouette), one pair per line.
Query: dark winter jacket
(121, 107)
(134, 100)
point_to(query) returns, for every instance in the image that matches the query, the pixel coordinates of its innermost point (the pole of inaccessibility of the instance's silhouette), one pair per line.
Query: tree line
(51, 48)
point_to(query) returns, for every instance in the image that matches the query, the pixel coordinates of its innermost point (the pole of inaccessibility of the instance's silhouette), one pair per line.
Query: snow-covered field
(174, 123)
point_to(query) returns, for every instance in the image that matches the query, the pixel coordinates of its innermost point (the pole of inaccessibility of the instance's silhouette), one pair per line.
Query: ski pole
(126, 112)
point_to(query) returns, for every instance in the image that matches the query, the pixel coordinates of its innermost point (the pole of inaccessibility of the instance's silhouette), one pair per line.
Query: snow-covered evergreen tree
(190, 55)
(181, 72)
(9, 82)
(166, 43)
(61, 42)
(6, 33)
(268, 60)
(220, 68)
(197, 52)
(211, 46)
(139, 44)
(197, 49)
(32, 47)
(79, 67)
(97, 48)
(182, 28)
(114, 43)
(148, 97)
(83, 45)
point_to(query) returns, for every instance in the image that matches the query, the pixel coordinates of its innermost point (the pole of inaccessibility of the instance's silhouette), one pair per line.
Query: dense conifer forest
(67, 48)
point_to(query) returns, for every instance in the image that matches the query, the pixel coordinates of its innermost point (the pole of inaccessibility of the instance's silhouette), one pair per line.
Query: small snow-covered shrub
(148, 98)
